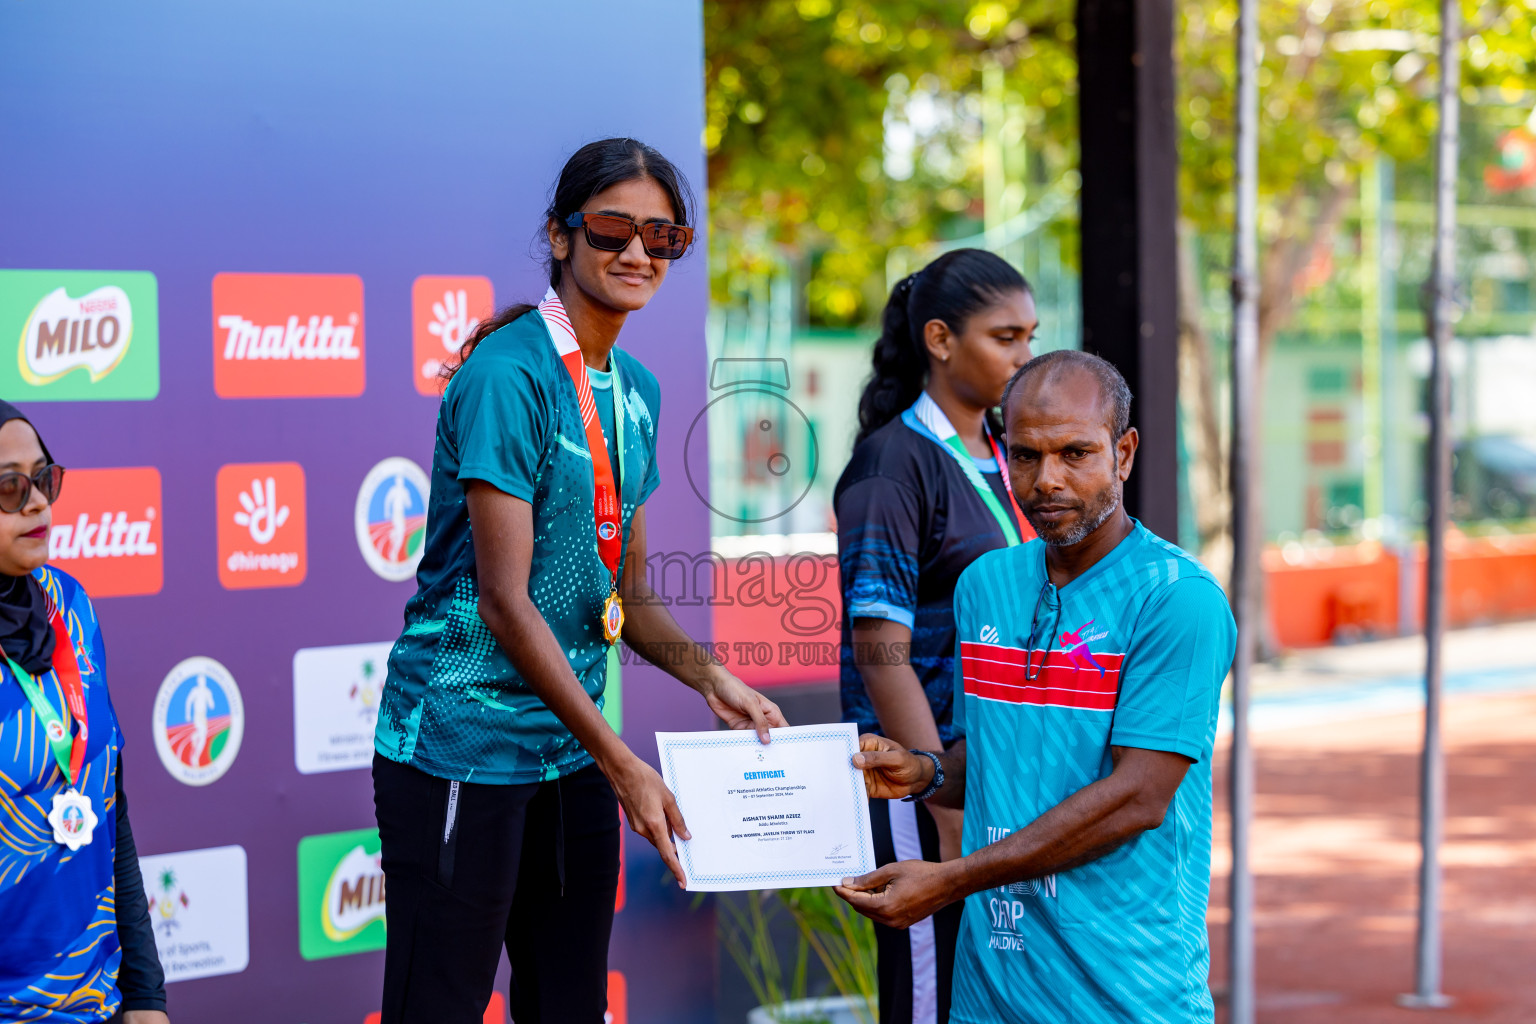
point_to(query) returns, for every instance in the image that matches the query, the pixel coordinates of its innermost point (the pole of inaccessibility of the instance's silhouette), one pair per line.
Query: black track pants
(470, 868)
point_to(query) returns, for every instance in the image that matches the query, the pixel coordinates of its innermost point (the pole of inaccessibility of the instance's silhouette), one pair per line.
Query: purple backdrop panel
(355, 148)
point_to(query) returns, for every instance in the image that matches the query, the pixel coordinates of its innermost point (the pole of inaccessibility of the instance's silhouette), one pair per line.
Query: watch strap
(938, 777)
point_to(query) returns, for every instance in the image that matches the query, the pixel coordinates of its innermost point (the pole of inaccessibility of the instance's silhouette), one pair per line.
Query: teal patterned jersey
(453, 705)
(59, 954)
(1132, 653)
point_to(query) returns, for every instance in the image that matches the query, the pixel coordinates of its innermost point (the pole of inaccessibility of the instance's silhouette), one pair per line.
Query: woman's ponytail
(953, 288)
(900, 366)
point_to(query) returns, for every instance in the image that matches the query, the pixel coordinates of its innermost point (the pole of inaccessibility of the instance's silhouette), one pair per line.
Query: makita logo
(288, 335)
(320, 338)
(90, 333)
(106, 531)
(112, 536)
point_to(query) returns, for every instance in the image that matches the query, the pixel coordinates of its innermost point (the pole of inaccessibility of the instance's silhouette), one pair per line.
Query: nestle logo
(288, 335)
(90, 333)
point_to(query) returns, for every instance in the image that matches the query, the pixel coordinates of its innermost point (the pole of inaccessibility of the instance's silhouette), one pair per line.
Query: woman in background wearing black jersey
(922, 496)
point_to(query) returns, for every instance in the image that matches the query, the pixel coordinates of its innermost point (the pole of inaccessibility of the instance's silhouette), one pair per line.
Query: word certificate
(789, 814)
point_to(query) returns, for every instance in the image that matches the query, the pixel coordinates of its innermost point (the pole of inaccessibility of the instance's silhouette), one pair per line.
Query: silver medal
(72, 819)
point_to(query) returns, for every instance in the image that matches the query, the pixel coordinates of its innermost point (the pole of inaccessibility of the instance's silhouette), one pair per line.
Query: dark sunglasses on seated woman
(611, 233)
(16, 488)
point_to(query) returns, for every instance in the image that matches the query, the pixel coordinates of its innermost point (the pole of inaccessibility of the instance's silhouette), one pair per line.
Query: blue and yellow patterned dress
(59, 951)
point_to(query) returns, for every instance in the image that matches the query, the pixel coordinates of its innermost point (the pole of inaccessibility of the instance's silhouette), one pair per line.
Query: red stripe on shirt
(1060, 680)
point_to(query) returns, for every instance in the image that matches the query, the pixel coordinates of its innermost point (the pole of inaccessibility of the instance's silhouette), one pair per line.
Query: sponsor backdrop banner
(251, 235)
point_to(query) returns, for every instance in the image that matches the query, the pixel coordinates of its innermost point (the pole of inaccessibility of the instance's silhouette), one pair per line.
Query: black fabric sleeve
(879, 537)
(141, 980)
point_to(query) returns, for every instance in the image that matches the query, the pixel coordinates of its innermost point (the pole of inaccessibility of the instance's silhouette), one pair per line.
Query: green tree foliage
(1340, 82)
(800, 96)
(805, 98)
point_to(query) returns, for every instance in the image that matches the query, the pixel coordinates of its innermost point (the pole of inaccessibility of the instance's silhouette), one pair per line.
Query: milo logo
(341, 894)
(80, 335)
(90, 333)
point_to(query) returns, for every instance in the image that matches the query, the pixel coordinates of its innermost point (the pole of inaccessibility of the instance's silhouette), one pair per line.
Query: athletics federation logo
(391, 518)
(199, 721)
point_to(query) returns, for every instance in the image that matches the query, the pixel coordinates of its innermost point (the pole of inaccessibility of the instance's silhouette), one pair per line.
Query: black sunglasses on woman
(611, 233)
(16, 488)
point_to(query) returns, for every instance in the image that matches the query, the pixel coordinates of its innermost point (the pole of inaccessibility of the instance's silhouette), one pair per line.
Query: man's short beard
(1094, 516)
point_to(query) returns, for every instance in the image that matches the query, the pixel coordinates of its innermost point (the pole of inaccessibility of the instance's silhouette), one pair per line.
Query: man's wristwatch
(938, 777)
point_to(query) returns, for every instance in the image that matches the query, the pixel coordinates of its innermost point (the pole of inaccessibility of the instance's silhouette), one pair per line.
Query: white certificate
(790, 813)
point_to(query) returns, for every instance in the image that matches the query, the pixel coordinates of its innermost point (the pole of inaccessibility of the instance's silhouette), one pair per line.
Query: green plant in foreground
(843, 941)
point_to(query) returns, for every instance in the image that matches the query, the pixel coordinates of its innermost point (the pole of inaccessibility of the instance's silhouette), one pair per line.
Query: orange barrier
(784, 629)
(1318, 596)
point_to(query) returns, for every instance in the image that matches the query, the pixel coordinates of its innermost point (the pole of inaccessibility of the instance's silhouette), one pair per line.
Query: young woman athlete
(923, 495)
(497, 783)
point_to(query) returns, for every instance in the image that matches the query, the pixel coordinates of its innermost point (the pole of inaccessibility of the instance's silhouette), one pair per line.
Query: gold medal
(613, 618)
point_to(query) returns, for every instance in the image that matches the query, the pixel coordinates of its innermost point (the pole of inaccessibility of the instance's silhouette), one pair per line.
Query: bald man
(1090, 663)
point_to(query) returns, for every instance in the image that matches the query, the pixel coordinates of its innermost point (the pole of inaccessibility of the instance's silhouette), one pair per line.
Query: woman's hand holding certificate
(791, 813)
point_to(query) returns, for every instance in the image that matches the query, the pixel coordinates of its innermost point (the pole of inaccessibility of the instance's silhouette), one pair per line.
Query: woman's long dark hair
(952, 288)
(591, 169)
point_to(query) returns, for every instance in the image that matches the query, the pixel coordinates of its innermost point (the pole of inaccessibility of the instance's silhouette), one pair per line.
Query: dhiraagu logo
(341, 894)
(80, 335)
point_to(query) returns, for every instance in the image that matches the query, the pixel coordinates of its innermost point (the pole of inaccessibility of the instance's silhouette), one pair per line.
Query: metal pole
(1427, 994)
(1245, 513)
(1372, 436)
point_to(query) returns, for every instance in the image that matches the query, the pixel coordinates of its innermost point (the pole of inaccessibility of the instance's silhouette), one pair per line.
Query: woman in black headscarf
(76, 945)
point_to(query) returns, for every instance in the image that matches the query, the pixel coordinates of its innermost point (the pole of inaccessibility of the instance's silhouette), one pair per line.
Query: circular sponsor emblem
(199, 720)
(607, 529)
(391, 518)
(55, 731)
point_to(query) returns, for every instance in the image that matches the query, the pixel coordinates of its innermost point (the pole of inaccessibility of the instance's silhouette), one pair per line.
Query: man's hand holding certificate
(789, 813)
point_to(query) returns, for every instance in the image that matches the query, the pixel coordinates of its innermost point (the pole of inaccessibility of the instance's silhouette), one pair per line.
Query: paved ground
(1337, 735)
(1336, 833)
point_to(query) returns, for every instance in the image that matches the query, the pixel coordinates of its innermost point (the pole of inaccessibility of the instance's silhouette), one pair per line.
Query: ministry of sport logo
(444, 312)
(391, 518)
(261, 525)
(199, 720)
(198, 907)
(82, 335)
(336, 693)
(167, 899)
